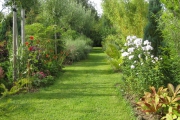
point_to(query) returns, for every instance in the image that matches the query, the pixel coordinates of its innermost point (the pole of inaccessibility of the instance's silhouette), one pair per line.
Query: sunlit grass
(85, 91)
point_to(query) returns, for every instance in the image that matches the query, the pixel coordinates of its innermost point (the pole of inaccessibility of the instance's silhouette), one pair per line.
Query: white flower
(128, 37)
(138, 42)
(130, 50)
(132, 66)
(152, 56)
(146, 42)
(148, 47)
(129, 43)
(122, 50)
(131, 57)
(148, 53)
(135, 61)
(133, 37)
(142, 63)
(156, 58)
(139, 56)
(153, 61)
(143, 48)
(124, 54)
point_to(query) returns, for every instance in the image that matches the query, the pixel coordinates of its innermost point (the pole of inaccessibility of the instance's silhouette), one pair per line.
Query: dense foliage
(151, 58)
(57, 33)
(124, 18)
(151, 32)
(140, 38)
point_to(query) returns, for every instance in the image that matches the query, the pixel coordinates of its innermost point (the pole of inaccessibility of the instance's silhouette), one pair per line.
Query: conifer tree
(151, 31)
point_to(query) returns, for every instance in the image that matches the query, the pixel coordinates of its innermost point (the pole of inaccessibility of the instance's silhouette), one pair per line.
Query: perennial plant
(140, 68)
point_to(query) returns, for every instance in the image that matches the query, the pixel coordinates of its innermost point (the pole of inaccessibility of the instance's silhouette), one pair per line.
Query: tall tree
(151, 31)
(127, 16)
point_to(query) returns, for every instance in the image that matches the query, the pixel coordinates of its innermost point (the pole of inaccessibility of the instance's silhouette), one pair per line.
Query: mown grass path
(85, 91)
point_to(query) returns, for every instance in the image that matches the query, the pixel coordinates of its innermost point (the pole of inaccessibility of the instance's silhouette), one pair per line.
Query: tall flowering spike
(31, 37)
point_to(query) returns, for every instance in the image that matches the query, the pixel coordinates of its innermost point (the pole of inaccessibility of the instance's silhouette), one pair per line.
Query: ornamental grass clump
(140, 68)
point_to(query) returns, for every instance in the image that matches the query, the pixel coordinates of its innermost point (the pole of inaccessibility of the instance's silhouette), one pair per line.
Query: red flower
(31, 48)
(31, 37)
(26, 43)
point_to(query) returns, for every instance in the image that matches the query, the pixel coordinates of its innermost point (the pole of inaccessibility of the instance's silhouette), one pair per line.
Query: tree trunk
(14, 43)
(22, 26)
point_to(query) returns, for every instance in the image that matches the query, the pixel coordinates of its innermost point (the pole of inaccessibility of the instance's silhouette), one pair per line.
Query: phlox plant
(140, 68)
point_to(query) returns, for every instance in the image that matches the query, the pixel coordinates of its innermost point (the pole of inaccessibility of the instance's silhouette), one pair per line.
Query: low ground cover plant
(164, 101)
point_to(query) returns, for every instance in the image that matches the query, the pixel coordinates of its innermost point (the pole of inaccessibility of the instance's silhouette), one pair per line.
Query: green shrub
(77, 49)
(112, 46)
(169, 25)
(40, 79)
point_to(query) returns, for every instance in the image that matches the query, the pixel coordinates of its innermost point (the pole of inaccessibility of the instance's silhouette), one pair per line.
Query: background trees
(124, 18)
(57, 33)
(126, 21)
(151, 32)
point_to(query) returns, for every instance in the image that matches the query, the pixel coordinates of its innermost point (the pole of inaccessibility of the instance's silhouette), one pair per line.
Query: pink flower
(41, 75)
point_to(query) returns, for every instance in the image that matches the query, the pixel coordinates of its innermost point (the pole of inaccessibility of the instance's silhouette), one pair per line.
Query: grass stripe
(85, 91)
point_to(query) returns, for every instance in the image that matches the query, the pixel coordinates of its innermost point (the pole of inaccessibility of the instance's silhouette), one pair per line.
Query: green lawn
(85, 91)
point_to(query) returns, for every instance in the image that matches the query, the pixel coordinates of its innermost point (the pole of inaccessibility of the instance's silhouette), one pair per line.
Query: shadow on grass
(89, 72)
(69, 88)
(64, 95)
(74, 90)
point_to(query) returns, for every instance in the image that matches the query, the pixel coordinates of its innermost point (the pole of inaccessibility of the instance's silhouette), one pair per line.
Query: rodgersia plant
(141, 69)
